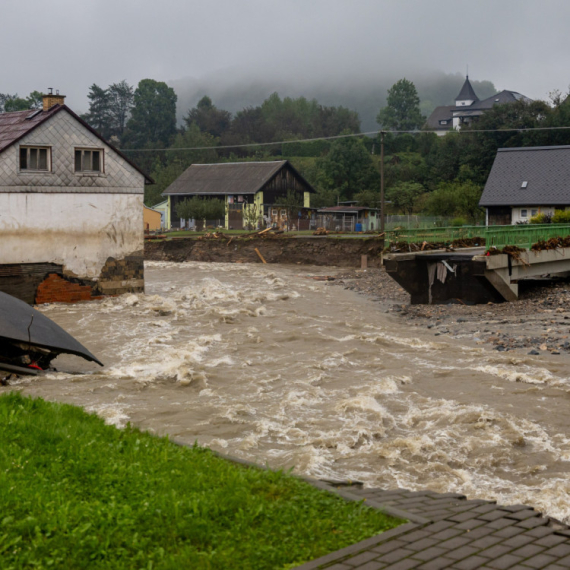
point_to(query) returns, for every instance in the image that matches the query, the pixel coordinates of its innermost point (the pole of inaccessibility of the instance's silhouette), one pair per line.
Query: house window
(533, 213)
(274, 212)
(283, 214)
(88, 160)
(36, 158)
(524, 213)
(443, 122)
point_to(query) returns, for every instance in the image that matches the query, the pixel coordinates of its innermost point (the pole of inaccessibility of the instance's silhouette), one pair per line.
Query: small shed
(348, 218)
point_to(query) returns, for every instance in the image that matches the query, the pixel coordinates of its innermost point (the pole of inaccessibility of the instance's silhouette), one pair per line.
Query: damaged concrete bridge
(470, 275)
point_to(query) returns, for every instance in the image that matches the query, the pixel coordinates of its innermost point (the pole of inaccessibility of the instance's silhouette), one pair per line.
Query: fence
(416, 222)
(498, 236)
(524, 236)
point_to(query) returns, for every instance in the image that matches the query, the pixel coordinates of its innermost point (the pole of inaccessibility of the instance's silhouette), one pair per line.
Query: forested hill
(366, 95)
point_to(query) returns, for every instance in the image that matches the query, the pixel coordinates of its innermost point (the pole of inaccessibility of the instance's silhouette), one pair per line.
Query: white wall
(77, 220)
(79, 231)
(517, 212)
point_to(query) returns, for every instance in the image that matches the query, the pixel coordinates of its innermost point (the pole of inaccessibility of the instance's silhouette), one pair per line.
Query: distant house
(151, 219)
(250, 190)
(162, 207)
(348, 218)
(526, 181)
(467, 108)
(71, 207)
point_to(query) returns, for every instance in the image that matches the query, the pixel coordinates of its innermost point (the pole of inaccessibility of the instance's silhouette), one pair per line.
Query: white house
(527, 181)
(71, 208)
(467, 108)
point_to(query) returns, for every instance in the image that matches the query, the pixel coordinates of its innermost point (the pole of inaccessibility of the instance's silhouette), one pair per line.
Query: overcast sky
(521, 45)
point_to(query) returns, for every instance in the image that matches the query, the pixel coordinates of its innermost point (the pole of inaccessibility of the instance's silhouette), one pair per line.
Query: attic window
(36, 159)
(88, 160)
(443, 122)
(524, 184)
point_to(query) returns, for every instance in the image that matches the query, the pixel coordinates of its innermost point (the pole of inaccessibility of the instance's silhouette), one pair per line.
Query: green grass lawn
(75, 493)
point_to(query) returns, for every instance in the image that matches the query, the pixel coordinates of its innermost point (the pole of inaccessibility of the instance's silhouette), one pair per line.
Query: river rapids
(269, 365)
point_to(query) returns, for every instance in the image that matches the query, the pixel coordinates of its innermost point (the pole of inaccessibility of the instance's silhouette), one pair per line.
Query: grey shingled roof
(467, 93)
(440, 114)
(546, 169)
(500, 98)
(225, 178)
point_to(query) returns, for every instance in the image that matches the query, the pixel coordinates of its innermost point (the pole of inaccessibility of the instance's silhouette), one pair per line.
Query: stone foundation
(51, 283)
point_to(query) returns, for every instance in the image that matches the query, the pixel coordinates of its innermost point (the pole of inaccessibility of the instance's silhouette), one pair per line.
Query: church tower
(466, 96)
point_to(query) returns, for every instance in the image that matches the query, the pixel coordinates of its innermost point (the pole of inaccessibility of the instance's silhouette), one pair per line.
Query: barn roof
(227, 178)
(15, 125)
(531, 176)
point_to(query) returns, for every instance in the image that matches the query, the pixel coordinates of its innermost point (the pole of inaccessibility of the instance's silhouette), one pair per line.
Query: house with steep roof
(527, 181)
(467, 108)
(250, 190)
(71, 208)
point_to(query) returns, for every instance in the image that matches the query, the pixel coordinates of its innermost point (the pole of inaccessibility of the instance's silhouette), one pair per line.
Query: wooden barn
(252, 192)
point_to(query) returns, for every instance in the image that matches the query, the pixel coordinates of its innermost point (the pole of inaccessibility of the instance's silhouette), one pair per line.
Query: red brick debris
(55, 289)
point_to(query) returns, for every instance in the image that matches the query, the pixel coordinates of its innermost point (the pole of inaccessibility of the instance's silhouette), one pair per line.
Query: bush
(541, 219)
(459, 221)
(561, 217)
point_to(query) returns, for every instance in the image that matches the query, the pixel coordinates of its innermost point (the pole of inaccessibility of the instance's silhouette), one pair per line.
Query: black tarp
(21, 323)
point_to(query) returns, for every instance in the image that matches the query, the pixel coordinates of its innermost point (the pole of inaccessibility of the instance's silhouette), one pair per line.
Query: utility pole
(382, 204)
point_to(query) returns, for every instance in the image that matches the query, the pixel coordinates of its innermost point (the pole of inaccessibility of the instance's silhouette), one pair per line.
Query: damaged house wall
(86, 226)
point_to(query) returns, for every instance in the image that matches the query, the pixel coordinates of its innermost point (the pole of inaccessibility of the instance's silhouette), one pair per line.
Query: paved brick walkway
(448, 531)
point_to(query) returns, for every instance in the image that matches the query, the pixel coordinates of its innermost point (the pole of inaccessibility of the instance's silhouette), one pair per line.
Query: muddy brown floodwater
(267, 364)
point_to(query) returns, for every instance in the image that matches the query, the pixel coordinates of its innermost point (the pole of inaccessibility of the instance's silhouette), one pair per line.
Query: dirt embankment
(341, 252)
(537, 323)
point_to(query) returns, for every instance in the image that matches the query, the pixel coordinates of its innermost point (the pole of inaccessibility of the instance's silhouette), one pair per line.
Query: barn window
(36, 158)
(88, 160)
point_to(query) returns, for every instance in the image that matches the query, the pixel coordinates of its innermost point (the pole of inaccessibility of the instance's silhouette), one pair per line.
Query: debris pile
(552, 243)
(403, 246)
(19, 356)
(320, 232)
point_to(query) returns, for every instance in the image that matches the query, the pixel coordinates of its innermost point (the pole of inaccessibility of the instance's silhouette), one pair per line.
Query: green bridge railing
(523, 236)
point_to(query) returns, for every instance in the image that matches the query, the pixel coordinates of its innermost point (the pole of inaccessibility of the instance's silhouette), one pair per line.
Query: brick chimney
(52, 99)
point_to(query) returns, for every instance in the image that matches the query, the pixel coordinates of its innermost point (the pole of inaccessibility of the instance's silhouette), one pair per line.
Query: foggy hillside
(365, 94)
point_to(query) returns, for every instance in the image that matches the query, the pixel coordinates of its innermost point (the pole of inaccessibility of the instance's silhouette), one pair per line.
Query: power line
(415, 132)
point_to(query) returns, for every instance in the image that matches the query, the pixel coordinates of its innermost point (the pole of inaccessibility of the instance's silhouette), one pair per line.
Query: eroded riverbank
(268, 364)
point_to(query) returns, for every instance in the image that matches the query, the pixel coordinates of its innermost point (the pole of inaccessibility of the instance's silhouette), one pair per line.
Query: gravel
(538, 323)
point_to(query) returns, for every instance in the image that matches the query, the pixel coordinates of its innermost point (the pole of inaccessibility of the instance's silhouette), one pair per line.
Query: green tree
(9, 103)
(153, 116)
(199, 209)
(348, 169)
(120, 103)
(173, 163)
(292, 203)
(456, 199)
(402, 111)
(404, 196)
(208, 118)
(98, 115)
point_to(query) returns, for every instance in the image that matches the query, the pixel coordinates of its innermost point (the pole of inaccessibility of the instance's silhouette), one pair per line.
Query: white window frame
(524, 212)
(84, 150)
(28, 148)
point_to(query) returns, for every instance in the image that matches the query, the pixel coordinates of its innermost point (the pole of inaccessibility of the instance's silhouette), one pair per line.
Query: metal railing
(525, 235)
(498, 236)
